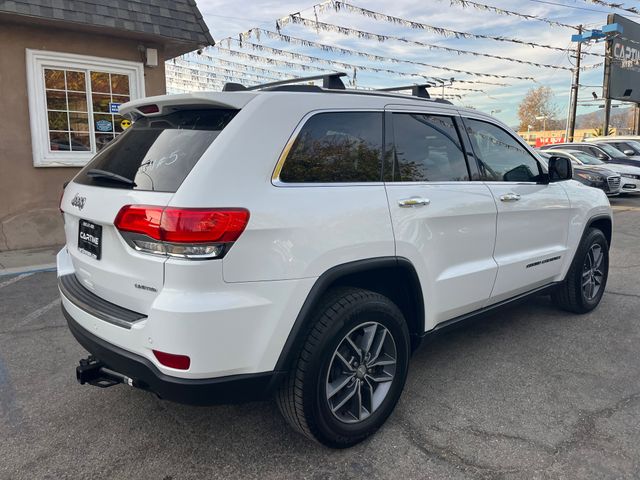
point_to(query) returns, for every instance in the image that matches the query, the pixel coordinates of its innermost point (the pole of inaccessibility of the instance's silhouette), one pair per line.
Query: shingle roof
(175, 19)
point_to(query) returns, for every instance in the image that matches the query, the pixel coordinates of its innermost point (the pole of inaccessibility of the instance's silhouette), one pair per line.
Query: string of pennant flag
(277, 51)
(381, 38)
(207, 56)
(273, 60)
(444, 32)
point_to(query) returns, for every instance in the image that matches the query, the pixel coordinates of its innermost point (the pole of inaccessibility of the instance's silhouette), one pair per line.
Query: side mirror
(629, 153)
(560, 169)
(602, 156)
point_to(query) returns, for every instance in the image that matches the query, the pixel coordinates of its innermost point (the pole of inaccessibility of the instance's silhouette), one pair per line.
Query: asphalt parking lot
(528, 393)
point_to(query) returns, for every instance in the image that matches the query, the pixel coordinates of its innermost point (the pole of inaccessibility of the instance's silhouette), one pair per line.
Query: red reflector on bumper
(171, 360)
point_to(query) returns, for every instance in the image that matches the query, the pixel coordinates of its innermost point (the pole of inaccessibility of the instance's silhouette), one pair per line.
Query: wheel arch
(603, 223)
(393, 277)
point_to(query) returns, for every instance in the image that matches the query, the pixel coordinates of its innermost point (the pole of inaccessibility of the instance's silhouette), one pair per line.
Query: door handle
(510, 197)
(414, 202)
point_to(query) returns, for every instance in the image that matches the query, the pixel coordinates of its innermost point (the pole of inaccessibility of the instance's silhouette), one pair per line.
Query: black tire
(303, 396)
(571, 295)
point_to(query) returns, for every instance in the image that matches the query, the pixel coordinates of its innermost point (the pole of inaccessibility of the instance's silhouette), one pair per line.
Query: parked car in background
(631, 148)
(600, 177)
(616, 137)
(603, 151)
(630, 181)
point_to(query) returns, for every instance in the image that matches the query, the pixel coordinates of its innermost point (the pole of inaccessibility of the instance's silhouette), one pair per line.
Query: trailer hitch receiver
(94, 372)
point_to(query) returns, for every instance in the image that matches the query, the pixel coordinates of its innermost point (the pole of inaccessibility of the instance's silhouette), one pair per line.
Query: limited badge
(124, 124)
(104, 126)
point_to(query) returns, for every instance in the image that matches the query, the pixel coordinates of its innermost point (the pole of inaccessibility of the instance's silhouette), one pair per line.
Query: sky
(227, 18)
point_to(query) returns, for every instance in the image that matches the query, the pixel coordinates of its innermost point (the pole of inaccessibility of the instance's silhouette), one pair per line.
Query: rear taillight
(181, 232)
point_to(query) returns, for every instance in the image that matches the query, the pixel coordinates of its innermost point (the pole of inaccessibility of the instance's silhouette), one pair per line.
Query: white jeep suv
(301, 241)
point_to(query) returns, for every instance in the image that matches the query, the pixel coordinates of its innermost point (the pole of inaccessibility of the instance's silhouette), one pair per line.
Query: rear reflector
(182, 232)
(171, 360)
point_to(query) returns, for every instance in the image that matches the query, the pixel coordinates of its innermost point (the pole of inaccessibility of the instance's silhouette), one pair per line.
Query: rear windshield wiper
(97, 173)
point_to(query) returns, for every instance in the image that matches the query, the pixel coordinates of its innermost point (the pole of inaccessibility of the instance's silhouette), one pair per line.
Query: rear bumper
(229, 389)
(226, 330)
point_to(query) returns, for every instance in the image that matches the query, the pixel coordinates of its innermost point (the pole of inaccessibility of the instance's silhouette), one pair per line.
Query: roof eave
(173, 46)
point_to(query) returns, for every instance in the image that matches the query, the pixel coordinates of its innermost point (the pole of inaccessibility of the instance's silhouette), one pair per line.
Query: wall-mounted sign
(114, 107)
(624, 62)
(104, 126)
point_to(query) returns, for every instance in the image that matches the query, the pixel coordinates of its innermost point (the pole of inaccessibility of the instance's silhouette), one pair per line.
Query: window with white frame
(73, 104)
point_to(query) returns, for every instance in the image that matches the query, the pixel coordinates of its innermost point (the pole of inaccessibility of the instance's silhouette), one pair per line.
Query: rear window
(156, 153)
(336, 147)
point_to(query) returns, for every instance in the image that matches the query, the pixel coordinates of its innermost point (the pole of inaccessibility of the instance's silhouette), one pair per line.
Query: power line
(547, 2)
(614, 6)
(500, 11)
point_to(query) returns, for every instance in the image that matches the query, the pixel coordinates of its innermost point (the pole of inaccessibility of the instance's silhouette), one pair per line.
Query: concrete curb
(47, 267)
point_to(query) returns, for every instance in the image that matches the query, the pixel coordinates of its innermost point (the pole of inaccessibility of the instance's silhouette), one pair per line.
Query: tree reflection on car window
(337, 147)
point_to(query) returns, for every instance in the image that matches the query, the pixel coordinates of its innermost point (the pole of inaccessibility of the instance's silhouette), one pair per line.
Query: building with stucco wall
(65, 67)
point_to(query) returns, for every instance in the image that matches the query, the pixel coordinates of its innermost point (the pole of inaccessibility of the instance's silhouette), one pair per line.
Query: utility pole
(606, 94)
(575, 89)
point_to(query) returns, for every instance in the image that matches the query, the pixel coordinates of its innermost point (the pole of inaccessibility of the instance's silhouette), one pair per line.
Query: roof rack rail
(331, 83)
(416, 90)
(329, 80)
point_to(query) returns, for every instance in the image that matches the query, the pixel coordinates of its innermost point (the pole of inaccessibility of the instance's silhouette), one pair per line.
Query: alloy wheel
(361, 372)
(592, 274)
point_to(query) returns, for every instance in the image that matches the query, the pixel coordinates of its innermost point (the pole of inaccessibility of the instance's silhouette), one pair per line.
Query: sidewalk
(21, 261)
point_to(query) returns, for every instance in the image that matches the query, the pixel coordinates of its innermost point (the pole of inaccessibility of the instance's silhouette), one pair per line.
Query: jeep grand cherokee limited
(300, 241)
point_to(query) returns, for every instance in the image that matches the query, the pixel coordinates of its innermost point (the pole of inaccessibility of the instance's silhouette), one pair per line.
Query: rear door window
(156, 153)
(427, 149)
(336, 147)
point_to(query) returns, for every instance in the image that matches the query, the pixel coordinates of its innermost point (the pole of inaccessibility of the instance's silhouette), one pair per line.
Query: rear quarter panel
(294, 231)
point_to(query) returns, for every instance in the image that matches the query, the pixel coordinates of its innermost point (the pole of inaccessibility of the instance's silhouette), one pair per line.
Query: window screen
(500, 156)
(427, 149)
(336, 147)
